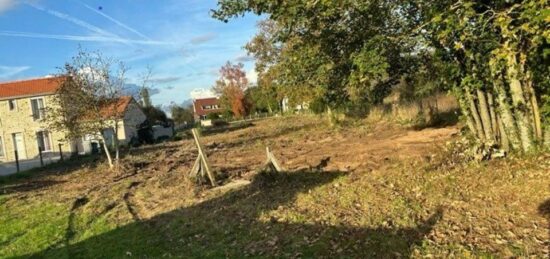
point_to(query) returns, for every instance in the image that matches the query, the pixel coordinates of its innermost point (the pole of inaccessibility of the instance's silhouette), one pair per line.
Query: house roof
(199, 103)
(117, 107)
(206, 101)
(32, 87)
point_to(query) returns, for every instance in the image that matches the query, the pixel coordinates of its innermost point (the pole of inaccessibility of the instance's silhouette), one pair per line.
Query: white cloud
(6, 71)
(203, 38)
(252, 76)
(244, 58)
(6, 5)
(198, 93)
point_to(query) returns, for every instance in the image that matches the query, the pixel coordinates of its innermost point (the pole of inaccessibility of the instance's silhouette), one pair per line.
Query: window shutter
(35, 110)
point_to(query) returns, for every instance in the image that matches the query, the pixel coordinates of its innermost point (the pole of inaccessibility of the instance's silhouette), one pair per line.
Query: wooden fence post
(40, 154)
(60, 152)
(201, 166)
(16, 160)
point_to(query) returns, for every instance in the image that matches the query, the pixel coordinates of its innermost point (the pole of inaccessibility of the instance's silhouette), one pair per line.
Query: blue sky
(180, 41)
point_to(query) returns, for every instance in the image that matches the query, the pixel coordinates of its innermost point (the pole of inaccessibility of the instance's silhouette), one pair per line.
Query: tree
(326, 46)
(493, 55)
(502, 72)
(231, 86)
(145, 98)
(262, 99)
(182, 115)
(155, 115)
(144, 89)
(89, 100)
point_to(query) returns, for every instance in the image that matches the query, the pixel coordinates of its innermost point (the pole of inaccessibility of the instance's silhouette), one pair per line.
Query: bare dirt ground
(392, 181)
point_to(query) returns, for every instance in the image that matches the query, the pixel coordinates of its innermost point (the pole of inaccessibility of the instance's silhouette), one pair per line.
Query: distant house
(204, 106)
(285, 104)
(22, 128)
(130, 116)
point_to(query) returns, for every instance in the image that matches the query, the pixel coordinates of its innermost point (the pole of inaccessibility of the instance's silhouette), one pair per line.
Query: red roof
(199, 103)
(30, 87)
(116, 108)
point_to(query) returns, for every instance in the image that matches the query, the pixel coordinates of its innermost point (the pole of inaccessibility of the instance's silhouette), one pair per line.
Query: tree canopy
(493, 55)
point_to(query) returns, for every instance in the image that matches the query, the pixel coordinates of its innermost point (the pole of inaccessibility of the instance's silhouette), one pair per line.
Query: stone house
(22, 129)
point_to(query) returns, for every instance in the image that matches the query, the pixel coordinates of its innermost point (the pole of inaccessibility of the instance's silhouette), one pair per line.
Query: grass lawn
(378, 192)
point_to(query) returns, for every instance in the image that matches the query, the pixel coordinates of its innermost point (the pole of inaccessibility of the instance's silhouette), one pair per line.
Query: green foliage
(344, 52)
(213, 116)
(182, 115)
(262, 99)
(155, 115)
(350, 54)
(317, 106)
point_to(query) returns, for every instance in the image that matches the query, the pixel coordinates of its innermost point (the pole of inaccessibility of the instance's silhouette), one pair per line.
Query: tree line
(348, 55)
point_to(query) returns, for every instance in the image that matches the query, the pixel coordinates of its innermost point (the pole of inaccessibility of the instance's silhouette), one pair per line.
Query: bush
(145, 135)
(318, 106)
(219, 123)
(213, 116)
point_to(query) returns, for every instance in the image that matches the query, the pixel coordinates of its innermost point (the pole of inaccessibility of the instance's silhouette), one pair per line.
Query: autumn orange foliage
(231, 86)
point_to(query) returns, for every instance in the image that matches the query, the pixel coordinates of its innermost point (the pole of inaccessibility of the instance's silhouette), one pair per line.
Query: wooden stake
(201, 166)
(271, 163)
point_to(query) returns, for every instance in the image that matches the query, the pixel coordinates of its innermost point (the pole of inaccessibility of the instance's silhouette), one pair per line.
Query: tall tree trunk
(504, 141)
(506, 117)
(473, 110)
(467, 114)
(485, 117)
(518, 101)
(531, 96)
(534, 107)
(491, 103)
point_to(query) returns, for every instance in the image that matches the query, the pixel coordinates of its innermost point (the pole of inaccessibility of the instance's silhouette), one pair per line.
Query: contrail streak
(119, 23)
(71, 19)
(80, 38)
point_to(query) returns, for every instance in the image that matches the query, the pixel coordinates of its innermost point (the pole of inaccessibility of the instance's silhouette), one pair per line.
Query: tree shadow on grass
(236, 225)
(38, 178)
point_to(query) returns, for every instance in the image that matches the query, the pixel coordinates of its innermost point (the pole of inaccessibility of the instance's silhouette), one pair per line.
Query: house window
(12, 105)
(210, 107)
(1, 147)
(37, 106)
(43, 139)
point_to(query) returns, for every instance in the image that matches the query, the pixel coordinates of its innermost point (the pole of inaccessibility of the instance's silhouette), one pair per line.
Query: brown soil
(152, 180)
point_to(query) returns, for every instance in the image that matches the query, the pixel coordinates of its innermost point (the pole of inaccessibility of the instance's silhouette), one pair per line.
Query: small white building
(130, 118)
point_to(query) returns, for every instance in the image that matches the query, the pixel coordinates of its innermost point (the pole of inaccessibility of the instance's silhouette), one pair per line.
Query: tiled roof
(116, 108)
(199, 103)
(30, 87)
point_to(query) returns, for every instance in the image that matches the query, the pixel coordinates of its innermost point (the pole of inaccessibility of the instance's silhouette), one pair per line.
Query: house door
(19, 145)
